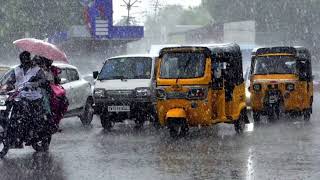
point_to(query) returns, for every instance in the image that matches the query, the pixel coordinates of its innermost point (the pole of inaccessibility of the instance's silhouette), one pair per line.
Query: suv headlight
(99, 93)
(143, 92)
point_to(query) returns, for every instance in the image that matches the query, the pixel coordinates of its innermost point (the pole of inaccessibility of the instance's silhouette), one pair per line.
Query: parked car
(78, 92)
(125, 89)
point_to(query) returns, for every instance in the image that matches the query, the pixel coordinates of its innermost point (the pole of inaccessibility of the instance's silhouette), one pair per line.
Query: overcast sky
(144, 7)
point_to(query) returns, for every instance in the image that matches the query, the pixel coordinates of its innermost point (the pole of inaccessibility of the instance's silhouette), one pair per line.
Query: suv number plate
(118, 108)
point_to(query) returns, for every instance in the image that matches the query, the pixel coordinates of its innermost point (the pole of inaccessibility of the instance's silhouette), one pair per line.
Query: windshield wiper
(113, 78)
(142, 77)
(184, 69)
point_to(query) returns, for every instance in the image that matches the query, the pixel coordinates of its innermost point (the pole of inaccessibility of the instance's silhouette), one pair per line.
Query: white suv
(125, 89)
(78, 92)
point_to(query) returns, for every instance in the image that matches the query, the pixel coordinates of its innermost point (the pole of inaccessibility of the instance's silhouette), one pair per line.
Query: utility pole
(129, 4)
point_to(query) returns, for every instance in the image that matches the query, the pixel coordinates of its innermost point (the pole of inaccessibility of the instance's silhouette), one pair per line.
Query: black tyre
(240, 124)
(88, 113)
(178, 131)
(140, 121)
(256, 117)
(106, 122)
(307, 115)
(178, 128)
(4, 143)
(274, 114)
(43, 145)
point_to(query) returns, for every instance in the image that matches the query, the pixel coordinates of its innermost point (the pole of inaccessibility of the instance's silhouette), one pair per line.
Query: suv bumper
(137, 106)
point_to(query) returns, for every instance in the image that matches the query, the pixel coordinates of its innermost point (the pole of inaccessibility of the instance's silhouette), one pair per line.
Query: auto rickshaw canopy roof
(298, 51)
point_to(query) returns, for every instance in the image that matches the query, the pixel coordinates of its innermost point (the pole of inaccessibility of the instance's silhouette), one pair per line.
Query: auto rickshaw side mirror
(95, 74)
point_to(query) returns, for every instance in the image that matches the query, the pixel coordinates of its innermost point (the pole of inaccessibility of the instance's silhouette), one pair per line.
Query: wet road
(289, 149)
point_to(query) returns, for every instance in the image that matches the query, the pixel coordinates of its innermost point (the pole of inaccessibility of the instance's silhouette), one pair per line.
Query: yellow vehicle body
(297, 100)
(296, 94)
(211, 109)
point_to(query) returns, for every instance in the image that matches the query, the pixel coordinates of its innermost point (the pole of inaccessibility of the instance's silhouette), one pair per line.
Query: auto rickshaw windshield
(182, 65)
(275, 65)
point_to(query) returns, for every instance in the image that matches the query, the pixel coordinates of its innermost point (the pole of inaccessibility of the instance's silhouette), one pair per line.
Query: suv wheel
(140, 120)
(88, 112)
(106, 121)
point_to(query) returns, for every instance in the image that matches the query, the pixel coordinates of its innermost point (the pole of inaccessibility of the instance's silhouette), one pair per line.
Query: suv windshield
(182, 65)
(275, 65)
(126, 68)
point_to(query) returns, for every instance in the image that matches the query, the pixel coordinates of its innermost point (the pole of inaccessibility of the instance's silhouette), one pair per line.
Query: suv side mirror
(95, 74)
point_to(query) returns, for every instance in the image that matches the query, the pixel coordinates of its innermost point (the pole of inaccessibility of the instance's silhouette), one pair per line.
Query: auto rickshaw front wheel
(307, 115)
(178, 127)
(240, 124)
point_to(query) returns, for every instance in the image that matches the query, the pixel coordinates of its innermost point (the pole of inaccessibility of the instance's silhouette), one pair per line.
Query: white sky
(144, 7)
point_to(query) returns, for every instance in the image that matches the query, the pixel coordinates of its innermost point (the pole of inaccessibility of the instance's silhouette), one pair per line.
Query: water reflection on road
(288, 149)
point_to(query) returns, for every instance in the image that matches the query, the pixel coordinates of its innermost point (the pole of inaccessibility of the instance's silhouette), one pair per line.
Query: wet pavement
(288, 149)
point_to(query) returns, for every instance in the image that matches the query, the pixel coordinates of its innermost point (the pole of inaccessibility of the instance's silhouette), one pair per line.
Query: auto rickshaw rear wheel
(240, 124)
(256, 117)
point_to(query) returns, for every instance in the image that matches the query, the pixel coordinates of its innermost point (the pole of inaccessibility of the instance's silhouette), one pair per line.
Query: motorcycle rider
(28, 78)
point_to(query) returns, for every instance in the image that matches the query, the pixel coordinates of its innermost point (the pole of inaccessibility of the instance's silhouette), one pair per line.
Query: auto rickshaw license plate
(118, 108)
(273, 99)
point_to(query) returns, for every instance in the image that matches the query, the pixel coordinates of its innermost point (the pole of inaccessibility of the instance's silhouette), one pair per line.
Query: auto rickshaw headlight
(290, 87)
(161, 94)
(257, 87)
(197, 93)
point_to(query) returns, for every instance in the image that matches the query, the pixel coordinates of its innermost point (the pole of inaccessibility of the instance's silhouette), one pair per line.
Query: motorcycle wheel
(43, 145)
(4, 144)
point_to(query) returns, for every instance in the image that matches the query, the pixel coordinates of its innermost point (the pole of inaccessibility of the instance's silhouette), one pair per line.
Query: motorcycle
(24, 123)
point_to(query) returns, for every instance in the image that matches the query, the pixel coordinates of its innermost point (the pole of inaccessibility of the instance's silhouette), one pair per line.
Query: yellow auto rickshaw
(200, 86)
(281, 82)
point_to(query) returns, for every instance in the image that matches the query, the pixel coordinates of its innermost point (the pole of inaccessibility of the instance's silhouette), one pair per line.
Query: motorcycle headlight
(99, 93)
(161, 94)
(257, 87)
(290, 87)
(3, 99)
(143, 92)
(197, 93)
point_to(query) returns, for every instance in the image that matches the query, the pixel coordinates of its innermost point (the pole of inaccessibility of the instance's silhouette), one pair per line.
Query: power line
(129, 4)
